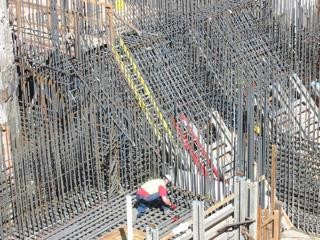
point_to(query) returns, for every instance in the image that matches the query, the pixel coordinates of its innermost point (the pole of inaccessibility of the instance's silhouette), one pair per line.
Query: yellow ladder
(133, 86)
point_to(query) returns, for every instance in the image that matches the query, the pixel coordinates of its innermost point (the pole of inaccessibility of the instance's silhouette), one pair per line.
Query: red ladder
(188, 146)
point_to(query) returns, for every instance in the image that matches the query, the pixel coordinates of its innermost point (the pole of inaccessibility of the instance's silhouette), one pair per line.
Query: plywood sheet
(121, 234)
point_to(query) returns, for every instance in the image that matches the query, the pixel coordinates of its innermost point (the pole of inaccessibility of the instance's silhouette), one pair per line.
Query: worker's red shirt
(153, 186)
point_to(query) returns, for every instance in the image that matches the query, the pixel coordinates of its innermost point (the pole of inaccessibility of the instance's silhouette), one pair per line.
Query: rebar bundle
(113, 94)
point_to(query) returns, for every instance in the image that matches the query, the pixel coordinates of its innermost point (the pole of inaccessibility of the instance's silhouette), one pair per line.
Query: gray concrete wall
(8, 83)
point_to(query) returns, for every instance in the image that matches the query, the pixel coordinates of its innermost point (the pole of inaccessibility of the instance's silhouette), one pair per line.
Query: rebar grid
(111, 95)
(101, 218)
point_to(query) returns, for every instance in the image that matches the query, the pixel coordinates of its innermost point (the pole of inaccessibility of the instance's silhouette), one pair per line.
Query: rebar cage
(111, 94)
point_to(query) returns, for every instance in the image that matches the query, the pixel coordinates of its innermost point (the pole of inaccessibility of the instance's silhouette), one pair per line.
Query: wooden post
(258, 236)
(276, 225)
(18, 16)
(273, 177)
(111, 24)
(268, 220)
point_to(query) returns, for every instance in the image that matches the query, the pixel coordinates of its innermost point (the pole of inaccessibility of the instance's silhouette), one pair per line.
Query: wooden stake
(258, 237)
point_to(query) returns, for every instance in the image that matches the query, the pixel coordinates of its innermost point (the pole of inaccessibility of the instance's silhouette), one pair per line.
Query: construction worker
(154, 193)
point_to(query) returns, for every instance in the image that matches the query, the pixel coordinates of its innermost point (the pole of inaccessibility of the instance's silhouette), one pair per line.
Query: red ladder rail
(187, 145)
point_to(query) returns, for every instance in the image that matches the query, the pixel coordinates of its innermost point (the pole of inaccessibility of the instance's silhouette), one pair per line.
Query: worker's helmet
(257, 129)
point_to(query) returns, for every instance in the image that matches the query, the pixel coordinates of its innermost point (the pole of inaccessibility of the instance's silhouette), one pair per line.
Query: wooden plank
(267, 221)
(265, 229)
(121, 234)
(286, 219)
(219, 204)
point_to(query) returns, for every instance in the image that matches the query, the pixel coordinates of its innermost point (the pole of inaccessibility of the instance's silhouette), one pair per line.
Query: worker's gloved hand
(175, 218)
(173, 207)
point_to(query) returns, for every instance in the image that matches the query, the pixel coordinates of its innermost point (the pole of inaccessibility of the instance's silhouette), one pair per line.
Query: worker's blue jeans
(153, 200)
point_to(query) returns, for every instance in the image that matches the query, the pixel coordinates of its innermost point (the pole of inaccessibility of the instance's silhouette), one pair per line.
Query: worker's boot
(166, 210)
